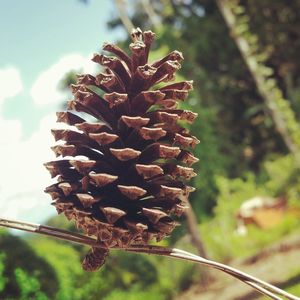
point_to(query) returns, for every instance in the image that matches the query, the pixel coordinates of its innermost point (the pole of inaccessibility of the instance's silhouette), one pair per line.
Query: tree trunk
(194, 232)
(196, 240)
(270, 93)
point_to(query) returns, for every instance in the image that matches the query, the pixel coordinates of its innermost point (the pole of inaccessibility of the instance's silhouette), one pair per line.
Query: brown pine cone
(122, 166)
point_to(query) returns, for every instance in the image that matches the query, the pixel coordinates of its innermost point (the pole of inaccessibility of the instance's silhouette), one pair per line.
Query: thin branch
(262, 290)
(153, 17)
(194, 231)
(244, 277)
(196, 240)
(122, 10)
(259, 285)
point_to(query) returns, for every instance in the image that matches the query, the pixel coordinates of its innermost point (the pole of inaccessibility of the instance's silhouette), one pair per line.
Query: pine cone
(123, 163)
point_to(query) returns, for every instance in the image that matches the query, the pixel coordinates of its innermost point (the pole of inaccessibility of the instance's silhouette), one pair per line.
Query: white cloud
(45, 89)
(10, 83)
(11, 131)
(10, 86)
(23, 176)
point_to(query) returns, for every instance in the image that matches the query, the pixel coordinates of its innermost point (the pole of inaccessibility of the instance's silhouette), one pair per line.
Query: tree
(282, 114)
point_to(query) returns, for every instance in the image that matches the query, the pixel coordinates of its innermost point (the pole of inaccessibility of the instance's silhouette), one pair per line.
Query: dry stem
(259, 285)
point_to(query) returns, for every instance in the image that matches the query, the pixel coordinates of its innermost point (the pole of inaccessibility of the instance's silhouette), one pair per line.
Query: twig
(122, 10)
(262, 290)
(259, 285)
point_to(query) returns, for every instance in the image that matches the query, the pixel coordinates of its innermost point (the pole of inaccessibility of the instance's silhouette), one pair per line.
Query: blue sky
(37, 33)
(40, 41)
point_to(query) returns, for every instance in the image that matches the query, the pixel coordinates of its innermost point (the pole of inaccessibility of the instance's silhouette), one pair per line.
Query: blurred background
(242, 56)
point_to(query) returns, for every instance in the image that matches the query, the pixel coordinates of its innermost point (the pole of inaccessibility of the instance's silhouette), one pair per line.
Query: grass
(224, 244)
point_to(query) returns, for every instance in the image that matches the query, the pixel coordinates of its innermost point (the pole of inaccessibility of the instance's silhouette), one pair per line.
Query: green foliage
(19, 254)
(68, 79)
(29, 286)
(125, 275)
(64, 260)
(223, 242)
(3, 279)
(135, 293)
(172, 276)
(208, 151)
